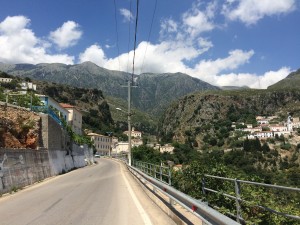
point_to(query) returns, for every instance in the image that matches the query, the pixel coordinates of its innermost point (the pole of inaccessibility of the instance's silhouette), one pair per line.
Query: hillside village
(268, 129)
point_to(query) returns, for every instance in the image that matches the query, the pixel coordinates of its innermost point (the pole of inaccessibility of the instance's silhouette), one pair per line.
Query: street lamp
(129, 131)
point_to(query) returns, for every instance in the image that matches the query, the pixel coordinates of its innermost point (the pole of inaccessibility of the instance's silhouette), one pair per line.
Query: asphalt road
(100, 194)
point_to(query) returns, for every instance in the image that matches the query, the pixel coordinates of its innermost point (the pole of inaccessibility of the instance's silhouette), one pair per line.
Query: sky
(223, 42)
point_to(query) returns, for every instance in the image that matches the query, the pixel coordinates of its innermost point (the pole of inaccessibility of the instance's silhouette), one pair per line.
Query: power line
(129, 34)
(153, 15)
(116, 23)
(135, 34)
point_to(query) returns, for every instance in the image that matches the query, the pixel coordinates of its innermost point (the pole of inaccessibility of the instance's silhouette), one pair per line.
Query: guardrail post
(237, 200)
(171, 201)
(155, 171)
(203, 186)
(170, 174)
(160, 173)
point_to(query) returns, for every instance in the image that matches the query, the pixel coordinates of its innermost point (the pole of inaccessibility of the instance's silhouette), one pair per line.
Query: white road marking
(141, 210)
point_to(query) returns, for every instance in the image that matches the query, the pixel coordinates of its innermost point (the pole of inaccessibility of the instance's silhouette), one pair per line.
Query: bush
(286, 146)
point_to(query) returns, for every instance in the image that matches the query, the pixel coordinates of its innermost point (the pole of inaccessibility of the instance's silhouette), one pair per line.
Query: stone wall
(22, 167)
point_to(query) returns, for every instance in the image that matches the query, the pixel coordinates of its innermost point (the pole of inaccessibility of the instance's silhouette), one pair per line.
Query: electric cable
(129, 34)
(116, 23)
(153, 15)
(135, 34)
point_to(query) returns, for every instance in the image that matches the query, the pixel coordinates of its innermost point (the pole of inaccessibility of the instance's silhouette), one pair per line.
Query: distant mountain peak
(88, 63)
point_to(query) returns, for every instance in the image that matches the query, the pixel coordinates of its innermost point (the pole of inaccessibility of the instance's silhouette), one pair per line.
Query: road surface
(100, 194)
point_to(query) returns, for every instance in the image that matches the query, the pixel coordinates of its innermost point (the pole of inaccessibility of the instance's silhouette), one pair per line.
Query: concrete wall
(22, 167)
(64, 155)
(55, 155)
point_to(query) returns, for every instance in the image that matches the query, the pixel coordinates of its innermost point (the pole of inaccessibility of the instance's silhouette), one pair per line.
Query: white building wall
(120, 147)
(5, 80)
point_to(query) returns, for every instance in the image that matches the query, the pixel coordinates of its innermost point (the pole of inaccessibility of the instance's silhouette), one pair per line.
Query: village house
(263, 121)
(166, 148)
(252, 130)
(274, 129)
(50, 104)
(27, 86)
(74, 118)
(62, 111)
(120, 147)
(134, 133)
(279, 128)
(5, 80)
(102, 143)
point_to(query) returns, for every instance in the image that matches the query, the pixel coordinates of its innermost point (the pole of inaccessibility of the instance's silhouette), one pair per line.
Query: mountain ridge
(154, 92)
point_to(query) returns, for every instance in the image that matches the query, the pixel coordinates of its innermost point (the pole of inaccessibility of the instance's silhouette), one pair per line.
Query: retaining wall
(22, 167)
(55, 155)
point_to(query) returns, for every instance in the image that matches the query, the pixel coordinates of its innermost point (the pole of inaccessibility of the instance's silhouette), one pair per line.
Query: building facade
(134, 133)
(102, 143)
(74, 118)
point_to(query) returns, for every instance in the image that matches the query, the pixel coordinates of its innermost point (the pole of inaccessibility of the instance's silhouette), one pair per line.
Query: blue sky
(223, 42)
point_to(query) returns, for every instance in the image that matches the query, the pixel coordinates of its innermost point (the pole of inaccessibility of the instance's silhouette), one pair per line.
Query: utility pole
(129, 114)
(129, 122)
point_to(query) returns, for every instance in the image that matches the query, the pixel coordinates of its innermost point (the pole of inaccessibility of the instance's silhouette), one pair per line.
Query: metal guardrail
(208, 215)
(121, 156)
(238, 198)
(162, 173)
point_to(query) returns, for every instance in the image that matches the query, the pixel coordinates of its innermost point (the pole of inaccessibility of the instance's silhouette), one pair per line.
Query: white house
(120, 147)
(278, 128)
(252, 130)
(166, 148)
(27, 86)
(136, 142)
(5, 80)
(134, 133)
(263, 121)
(55, 106)
(74, 118)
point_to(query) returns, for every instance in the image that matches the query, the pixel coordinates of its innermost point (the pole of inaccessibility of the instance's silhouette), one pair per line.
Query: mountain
(84, 75)
(200, 114)
(156, 91)
(153, 94)
(290, 82)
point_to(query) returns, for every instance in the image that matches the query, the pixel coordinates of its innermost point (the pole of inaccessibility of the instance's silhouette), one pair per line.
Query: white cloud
(205, 44)
(94, 54)
(67, 35)
(235, 59)
(167, 28)
(252, 80)
(270, 78)
(18, 44)
(196, 21)
(250, 11)
(126, 14)
(12, 25)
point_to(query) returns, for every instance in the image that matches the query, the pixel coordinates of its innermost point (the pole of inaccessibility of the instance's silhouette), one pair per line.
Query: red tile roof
(66, 105)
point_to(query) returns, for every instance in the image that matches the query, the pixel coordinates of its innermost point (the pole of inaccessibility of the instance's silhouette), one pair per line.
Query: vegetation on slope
(292, 81)
(234, 164)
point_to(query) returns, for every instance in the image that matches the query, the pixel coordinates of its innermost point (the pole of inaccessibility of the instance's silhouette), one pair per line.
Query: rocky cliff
(19, 128)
